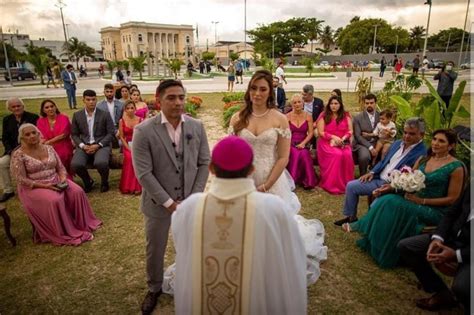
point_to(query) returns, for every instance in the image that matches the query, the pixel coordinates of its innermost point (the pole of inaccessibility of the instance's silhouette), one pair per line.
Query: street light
(427, 27)
(61, 5)
(375, 36)
(7, 63)
(463, 32)
(215, 36)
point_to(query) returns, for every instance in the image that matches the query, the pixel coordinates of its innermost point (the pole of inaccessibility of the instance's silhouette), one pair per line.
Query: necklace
(261, 115)
(440, 158)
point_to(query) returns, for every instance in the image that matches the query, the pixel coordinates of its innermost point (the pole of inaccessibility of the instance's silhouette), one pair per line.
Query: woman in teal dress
(393, 217)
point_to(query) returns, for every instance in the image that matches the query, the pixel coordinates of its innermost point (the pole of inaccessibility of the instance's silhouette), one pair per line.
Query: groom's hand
(173, 207)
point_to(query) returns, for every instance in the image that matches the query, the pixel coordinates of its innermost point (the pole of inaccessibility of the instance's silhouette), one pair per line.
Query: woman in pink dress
(141, 107)
(55, 129)
(300, 164)
(128, 181)
(56, 206)
(334, 150)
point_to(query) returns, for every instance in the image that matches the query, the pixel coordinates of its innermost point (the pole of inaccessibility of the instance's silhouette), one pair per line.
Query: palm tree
(314, 30)
(84, 51)
(174, 65)
(111, 66)
(70, 49)
(138, 63)
(417, 35)
(327, 38)
(336, 34)
(39, 57)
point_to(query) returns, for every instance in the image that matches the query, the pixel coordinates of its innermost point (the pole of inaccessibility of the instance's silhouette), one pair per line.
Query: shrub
(190, 109)
(237, 96)
(228, 114)
(195, 100)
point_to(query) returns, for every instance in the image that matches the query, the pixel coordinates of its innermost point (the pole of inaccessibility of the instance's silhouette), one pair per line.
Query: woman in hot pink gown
(141, 107)
(300, 163)
(128, 181)
(334, 150)
(56, 206)
(56, 131)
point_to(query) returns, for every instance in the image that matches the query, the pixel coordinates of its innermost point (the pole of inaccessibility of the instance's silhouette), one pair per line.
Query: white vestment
(272, 259)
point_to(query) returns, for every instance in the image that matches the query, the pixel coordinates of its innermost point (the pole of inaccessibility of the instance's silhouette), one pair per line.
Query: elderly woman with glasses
(57, 207)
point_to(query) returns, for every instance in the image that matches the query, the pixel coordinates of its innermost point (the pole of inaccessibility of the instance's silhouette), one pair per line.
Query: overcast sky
(41, 18)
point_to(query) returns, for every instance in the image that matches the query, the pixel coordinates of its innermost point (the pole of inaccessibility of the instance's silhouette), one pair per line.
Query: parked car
(467, 65)
(436, 64)
(324, 63)
(20, 74)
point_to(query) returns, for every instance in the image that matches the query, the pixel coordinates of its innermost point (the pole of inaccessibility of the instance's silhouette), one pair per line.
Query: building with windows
(223, 49)
(160, 41)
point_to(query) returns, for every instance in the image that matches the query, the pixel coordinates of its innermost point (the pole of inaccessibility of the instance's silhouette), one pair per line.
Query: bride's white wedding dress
(312, 231)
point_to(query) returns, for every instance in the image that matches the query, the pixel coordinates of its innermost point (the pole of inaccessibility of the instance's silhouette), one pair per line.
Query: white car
(467, 65)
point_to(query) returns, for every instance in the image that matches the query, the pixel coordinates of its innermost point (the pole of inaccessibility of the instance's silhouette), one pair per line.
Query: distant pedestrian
(208, 67)
(50, 74)
(280, 73)
(201, 67)
(57, 73)
(230, 77)
(394, 63)
(383, 66)
(398, 66)
(416, 65)
(424, 68)
(69, 79)
(446, 77)
(239, 69)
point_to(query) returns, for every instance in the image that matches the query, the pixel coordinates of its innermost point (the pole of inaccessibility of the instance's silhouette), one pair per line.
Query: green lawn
(107, 275)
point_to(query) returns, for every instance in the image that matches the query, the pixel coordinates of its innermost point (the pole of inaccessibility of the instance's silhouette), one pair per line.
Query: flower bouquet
(407, 179)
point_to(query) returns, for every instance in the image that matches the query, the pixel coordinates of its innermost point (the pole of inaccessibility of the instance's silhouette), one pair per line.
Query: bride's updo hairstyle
(244, 113)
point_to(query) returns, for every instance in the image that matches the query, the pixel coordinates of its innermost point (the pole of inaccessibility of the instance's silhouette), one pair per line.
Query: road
(25, 89)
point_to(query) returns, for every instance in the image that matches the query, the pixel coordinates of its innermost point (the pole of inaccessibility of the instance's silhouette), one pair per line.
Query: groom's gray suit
(164, 174)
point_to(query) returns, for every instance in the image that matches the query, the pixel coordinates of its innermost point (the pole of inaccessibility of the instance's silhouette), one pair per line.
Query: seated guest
(128, 181)
(312, 105)
(333, 147)
(92, 132)
(300, 164)
(111, 105)
(336, 92)
(55, 130)
(274, 264)
(280, 95)
(403, 152)
(393, 217)
(141, 107)
(386, 130)
(11, 123)
(450, 244)
(56, 206)
(363, 146)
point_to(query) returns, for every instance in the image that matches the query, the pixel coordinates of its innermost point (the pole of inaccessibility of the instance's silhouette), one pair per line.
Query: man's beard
(370, 110)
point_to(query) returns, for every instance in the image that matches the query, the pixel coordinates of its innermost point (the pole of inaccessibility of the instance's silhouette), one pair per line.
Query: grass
(107, 275)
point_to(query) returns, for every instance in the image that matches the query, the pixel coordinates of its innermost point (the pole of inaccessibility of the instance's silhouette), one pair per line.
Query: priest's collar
(231, 188)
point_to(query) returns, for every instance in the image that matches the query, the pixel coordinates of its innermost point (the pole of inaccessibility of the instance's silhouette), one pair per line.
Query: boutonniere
(189, 137)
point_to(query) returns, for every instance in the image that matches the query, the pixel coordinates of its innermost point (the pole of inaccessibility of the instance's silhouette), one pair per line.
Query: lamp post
(7, 63)
(396, 46)
(273, 47)
(463, 33)
(375, 37)
(428, 2)
(61, 5)
(215, 36)
(449, 39)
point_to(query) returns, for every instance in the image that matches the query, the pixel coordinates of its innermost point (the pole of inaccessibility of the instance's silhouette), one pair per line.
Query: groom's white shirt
(278, 262)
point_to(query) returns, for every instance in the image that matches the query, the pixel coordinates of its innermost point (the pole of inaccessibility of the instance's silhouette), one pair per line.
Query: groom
(171, 158)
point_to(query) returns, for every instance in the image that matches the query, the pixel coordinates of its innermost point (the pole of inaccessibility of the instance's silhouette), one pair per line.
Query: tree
(417, 36)
(327, 38)
(207, 55)
(453, 35)
(313, 30)
(14, 56)
(355, 19)
(76, 50)
(39, 58)
(138, 64)
(308, 63)
(174, 65)
(111, 66)
(84, 51)
(233, 56)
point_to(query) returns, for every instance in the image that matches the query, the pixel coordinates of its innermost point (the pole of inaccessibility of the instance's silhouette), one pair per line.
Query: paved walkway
(216, 84)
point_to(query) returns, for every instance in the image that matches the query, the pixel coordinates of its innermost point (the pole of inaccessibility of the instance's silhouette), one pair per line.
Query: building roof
(146, 25)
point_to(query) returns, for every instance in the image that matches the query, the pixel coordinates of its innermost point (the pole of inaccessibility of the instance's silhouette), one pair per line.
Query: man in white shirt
(280, 73)
(238, 251)
(403, 152)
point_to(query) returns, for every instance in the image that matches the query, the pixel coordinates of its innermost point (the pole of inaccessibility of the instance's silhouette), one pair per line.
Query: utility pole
(396, 46)
(273, 47)
(375, 37)
(61, 5)
(447, 45)
(428, 2)
(7, 63)
(215, 38)
(463, 33)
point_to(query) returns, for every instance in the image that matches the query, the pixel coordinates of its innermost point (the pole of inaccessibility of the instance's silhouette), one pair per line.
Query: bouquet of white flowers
(407, 179)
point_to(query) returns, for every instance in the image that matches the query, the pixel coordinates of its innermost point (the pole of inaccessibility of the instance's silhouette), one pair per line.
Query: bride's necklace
(261, 115)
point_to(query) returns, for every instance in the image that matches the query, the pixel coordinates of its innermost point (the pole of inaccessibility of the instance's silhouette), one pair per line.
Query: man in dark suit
(312, 105)
(363, 146)
(450, 243)
(402, 152)
(69, 80)
(280, 95)
(114, 107)
(92, 130)
(11, 124)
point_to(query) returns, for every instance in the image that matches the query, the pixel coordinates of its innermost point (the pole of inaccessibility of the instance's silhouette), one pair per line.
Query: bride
(267, 130)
